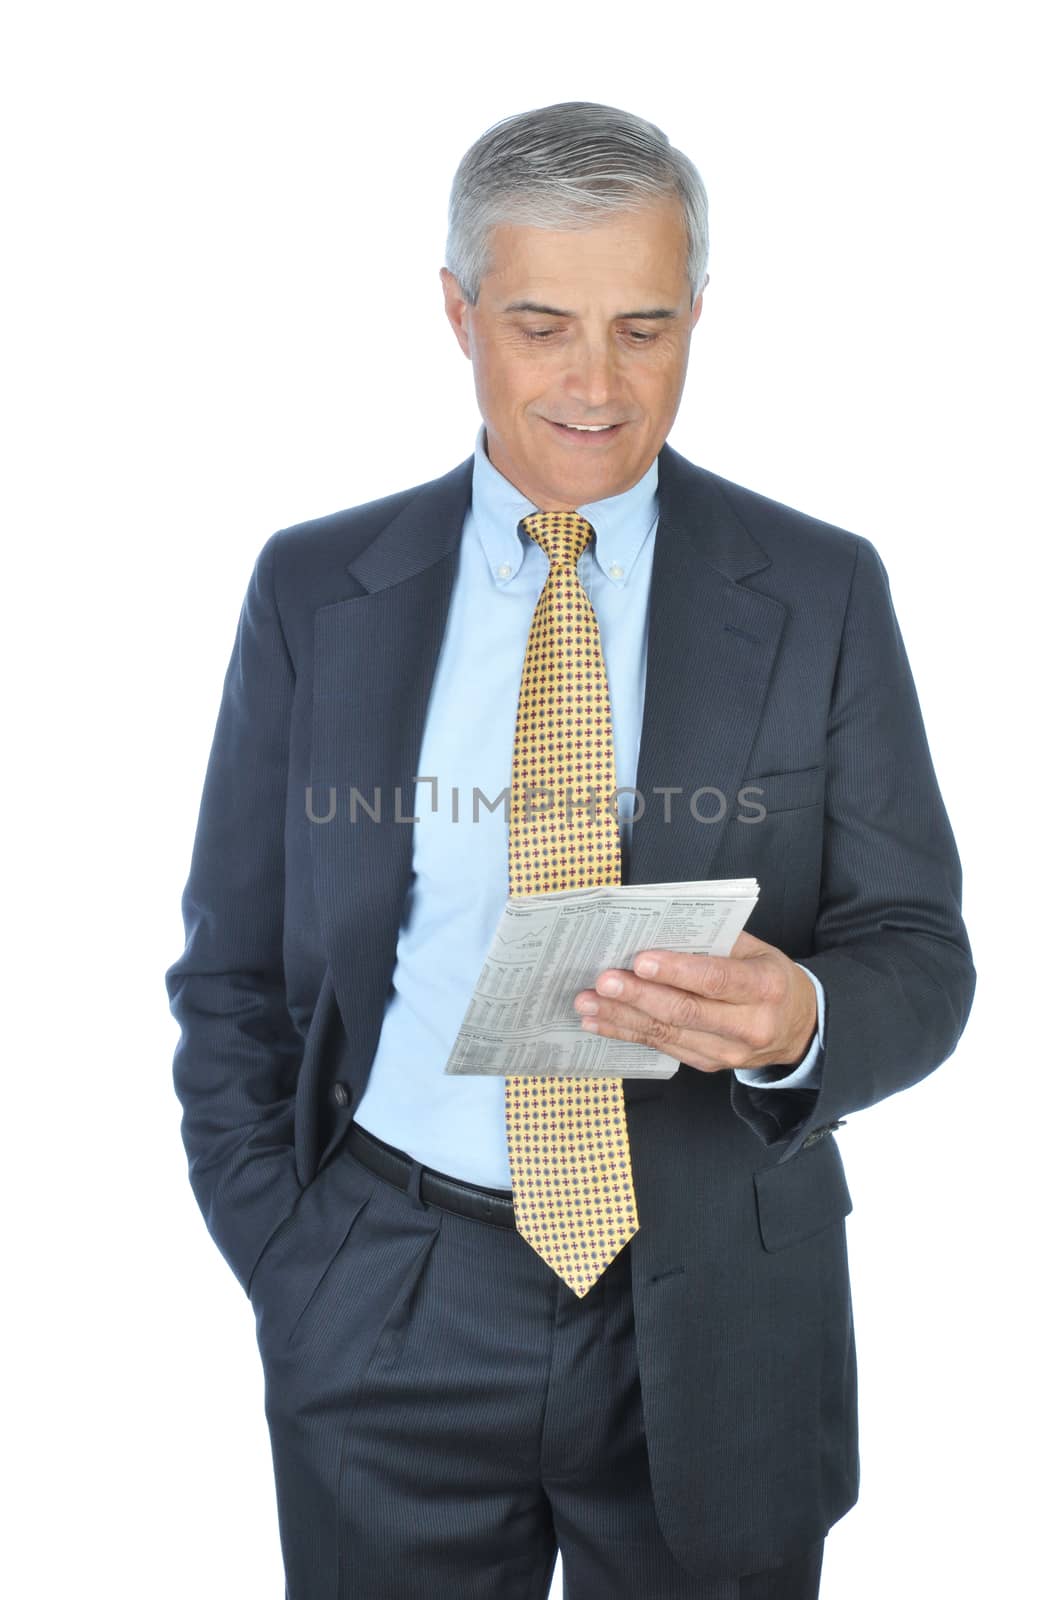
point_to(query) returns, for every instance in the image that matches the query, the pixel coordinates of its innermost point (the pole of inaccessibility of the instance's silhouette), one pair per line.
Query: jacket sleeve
(889, 946)
(238, 1056)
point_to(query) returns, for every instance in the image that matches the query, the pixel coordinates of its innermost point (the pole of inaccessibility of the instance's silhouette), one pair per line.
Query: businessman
(500, 1316)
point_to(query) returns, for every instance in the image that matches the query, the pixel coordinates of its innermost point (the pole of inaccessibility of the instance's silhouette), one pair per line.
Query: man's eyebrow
(657, 312)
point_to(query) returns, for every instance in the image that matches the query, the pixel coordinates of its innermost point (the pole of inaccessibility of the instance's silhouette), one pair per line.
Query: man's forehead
(636, 256)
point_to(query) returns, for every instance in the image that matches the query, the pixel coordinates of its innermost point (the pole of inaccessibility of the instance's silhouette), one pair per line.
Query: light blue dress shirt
(460, 876)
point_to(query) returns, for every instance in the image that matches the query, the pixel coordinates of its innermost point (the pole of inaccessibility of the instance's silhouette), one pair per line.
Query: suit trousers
(445, 1414)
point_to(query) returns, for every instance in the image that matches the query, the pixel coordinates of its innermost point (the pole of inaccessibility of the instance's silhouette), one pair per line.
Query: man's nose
(592, 376)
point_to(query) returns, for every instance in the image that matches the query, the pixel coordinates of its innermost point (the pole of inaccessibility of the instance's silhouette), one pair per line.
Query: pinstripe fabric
(573, 1193)
(445, 1416)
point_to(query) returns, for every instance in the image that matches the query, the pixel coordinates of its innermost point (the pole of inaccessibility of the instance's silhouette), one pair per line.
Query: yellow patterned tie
(573, 1196)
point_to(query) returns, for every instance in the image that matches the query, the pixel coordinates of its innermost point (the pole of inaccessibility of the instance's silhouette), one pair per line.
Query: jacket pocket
(802, 1196)
(779, 791)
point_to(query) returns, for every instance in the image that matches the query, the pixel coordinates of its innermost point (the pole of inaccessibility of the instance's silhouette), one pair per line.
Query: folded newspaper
(547, 947)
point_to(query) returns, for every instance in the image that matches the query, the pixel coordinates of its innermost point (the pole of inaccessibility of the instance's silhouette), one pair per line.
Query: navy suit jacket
(775, 660)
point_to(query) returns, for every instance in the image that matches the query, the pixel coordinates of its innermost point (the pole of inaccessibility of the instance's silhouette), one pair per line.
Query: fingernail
(610, 986)
(646, 967)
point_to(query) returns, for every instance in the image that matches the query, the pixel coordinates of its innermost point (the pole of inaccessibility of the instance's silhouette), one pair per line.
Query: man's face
(583, 356)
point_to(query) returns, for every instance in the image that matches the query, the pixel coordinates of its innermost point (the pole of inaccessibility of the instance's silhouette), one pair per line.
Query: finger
(685, 1044)
(678, 1008)
(735, 980)
(706, 1051)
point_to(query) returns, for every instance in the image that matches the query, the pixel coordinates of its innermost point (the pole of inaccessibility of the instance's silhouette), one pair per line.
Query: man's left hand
(753, 1008)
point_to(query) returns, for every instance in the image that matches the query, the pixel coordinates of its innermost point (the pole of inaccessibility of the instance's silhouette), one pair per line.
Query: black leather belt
(452, 1194)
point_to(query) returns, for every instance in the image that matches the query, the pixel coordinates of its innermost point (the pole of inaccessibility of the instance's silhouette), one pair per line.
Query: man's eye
(548, 333)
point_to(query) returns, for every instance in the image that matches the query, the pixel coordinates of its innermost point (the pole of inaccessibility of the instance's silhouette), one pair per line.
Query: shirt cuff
(806, 1073)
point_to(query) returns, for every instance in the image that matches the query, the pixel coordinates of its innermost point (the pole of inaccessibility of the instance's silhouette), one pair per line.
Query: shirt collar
(621, 523)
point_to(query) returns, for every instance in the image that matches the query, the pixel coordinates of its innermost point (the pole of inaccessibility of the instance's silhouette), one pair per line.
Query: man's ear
(456, 307)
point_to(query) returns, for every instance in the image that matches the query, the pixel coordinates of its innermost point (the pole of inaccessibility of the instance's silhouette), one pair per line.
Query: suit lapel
(710, 653)
(374, 660)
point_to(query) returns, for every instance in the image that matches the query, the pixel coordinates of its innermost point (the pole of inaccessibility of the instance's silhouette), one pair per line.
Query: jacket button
(341, 1094)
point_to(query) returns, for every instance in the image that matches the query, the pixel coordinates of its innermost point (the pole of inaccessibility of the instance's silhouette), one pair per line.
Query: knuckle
(714, 978)
(658, 1032)
(761, 1032)
(685, 1010)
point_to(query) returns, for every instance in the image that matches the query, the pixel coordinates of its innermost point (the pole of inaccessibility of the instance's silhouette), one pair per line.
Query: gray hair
(568, 166)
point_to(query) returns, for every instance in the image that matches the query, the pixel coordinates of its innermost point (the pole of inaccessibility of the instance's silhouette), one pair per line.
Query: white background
(223, 316)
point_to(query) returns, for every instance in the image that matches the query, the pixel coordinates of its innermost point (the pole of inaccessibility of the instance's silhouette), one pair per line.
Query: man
(480, 1343)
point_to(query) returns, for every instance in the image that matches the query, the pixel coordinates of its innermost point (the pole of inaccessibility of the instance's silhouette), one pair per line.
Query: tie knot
(564, 535)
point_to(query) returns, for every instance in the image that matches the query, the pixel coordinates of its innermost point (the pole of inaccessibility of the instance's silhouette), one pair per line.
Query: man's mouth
(585, 430)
